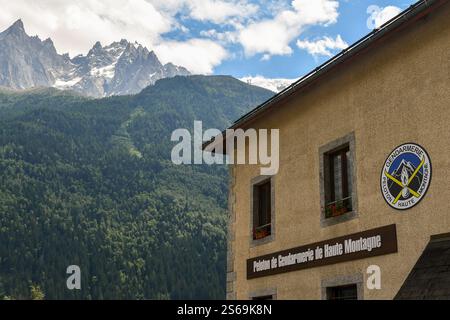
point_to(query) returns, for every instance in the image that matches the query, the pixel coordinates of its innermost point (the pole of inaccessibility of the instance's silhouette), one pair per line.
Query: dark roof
(430, 277)
(414, 12)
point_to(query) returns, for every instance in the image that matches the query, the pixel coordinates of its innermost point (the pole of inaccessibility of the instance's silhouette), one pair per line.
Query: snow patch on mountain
(64, 84)
(275, 84)
(119, 68)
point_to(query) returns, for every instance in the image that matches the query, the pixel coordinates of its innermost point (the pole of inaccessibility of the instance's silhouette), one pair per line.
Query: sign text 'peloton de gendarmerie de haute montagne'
(359, 245)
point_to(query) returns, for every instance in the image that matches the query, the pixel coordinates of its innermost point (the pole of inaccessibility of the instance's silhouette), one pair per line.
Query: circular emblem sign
(406, 176)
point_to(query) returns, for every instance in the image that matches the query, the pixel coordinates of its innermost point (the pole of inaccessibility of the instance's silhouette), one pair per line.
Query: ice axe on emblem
(405, 185)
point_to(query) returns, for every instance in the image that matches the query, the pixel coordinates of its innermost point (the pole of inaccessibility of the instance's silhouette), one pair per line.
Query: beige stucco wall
(396, 92)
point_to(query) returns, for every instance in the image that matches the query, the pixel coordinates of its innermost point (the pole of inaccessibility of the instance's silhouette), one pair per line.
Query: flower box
(261, 232)
(338, 208)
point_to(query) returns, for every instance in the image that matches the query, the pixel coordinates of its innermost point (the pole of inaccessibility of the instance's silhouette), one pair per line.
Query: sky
(266, 38)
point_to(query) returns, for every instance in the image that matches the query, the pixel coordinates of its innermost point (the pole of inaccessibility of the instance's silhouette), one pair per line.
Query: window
(343, 287)
(265, 294)
(338, 196)
(337, 180)
(262, 208)
(268, 297)
(347, 292)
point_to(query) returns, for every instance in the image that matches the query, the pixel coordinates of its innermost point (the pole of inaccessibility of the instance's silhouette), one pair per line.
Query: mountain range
(117, 69)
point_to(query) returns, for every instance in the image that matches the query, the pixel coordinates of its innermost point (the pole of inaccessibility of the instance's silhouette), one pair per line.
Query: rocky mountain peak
(119, 68)
(96, 49)
(16, 27)
(97, 46)
(16, 31)
(48, 43)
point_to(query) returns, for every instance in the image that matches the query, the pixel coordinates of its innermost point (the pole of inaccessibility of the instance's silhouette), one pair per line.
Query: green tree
(36, 292)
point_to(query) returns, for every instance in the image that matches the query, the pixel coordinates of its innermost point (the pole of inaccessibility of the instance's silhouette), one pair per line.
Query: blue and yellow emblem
(406, 176)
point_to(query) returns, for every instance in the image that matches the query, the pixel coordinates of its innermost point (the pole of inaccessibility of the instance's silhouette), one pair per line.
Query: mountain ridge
(119, 68)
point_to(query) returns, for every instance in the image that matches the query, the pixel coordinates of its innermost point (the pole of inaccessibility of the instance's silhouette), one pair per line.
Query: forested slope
(90, 182)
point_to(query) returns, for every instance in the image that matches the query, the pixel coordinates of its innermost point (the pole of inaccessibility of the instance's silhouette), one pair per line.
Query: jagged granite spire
(119, 68)
(15, 30)
(16, 27)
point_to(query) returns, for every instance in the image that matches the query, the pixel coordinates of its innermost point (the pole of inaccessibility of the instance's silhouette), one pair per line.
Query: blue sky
(269, 38)
(351, 25)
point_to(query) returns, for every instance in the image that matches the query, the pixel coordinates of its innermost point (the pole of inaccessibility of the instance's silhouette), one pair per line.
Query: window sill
(259, 242)
(326, 222)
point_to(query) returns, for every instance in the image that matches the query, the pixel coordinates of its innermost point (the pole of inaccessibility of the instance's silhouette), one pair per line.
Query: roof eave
(413, 13)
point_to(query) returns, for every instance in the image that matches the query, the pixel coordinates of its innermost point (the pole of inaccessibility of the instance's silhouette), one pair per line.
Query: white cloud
(273, 36)
(197, 55)
(322, 47)
(216, 11)
(378, 16)
(223, 37)
(76, 25)
(219, 11)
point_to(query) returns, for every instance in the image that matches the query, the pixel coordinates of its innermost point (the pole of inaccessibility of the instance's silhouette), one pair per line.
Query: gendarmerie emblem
(406, 176)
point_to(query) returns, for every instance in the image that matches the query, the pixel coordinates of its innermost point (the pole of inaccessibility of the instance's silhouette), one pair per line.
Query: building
(361, 194)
